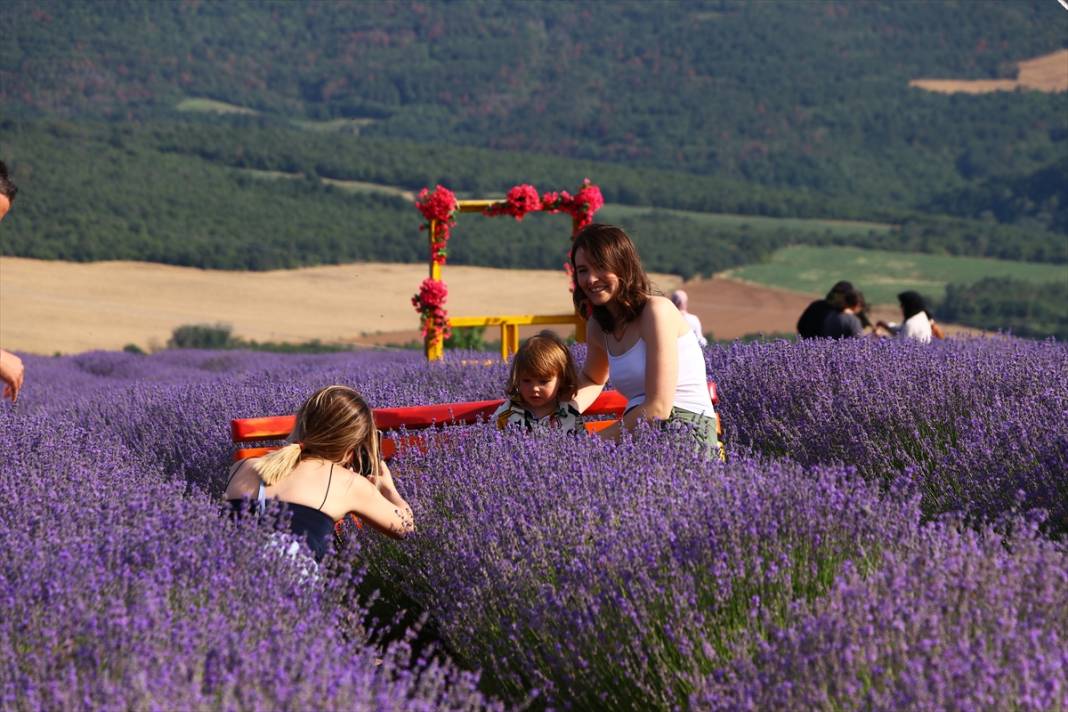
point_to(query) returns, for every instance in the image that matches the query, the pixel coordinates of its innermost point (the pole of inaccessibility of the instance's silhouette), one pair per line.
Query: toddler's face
(538, 390)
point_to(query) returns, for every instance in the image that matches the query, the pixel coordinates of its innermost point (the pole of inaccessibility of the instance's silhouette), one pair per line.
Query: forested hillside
(796, 94)
(217, 196)
(797, 109)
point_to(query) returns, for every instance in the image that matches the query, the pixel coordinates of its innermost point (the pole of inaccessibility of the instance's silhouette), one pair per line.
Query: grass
(881, 275)
(350, 186)
(617, 213)
(213, 106)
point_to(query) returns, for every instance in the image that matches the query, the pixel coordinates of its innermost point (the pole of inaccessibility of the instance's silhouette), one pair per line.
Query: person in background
(332, 467)
(541, 387)
(845, 321)
(810, 325)
(681, 300)
(12, 372)
(639, 339)
(918, 324)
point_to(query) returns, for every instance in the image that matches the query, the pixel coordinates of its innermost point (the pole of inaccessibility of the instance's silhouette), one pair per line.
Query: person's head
(609, 277)
(912, 304)
(334, 424)
(836, 296)
(680, 299)
(543, 371)
(853, 300)
(7, 191)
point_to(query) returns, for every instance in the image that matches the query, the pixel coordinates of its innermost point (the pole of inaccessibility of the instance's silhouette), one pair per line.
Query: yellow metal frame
(434, 345)
(510, 326)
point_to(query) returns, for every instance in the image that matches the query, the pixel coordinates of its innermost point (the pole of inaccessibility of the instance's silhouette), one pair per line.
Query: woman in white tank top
(638, 339)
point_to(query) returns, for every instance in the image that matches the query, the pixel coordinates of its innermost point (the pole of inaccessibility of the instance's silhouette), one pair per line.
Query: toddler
(541, 386)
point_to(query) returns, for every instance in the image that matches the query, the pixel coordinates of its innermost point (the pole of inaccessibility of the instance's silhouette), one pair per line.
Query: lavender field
(889, 533)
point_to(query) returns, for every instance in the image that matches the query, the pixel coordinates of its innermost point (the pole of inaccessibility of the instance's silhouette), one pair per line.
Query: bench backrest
(248, 431)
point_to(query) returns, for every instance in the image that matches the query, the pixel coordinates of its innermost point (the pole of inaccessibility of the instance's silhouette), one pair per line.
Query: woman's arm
(378, 503)
(594, 373)
(660, 324)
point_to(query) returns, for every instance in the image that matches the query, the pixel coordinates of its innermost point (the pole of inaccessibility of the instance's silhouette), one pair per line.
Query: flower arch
(439, 208)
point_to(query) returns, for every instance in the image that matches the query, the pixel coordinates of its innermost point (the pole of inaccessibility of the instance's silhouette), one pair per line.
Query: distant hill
(790, 93)
(137, 129)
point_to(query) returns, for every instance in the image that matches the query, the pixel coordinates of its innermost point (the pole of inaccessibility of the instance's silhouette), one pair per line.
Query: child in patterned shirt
(541, 386)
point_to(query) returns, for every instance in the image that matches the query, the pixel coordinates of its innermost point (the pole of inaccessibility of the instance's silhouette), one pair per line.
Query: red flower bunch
(522, 199)
(585, 203)
(440, 206)
(581, 206)
(430, 303)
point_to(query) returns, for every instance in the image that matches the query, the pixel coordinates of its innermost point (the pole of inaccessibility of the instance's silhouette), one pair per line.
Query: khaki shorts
(702, 428)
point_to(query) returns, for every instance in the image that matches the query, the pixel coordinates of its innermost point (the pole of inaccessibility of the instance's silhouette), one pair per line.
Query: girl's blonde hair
(544, 356)
(332, 422)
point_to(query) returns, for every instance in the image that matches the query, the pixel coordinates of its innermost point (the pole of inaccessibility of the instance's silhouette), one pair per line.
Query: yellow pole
(434, 344)
(513, 338)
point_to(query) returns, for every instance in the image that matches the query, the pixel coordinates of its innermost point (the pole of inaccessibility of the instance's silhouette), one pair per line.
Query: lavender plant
(616, 577)
(119, 591)
(574, 573)
(952, 619)
(979, 425)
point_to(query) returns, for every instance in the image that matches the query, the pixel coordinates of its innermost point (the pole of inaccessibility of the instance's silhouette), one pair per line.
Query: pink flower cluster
(523, 199)
(581, 207)
(430, 303)
(439, 208)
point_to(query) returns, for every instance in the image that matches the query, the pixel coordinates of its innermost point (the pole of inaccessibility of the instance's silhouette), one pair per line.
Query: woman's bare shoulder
(658, 308)
(659, 303)
(661, 311)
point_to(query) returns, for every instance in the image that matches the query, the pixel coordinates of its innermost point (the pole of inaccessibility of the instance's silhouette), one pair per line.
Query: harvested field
(69, 307)
(1048, 73)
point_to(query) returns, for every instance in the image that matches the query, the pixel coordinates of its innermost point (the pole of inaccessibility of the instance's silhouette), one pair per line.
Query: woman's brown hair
(544, 356)
(333, 421)
(608, 248)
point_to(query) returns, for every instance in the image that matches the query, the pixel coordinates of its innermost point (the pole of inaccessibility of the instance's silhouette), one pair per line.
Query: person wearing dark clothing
(810, 325)
(844, 321)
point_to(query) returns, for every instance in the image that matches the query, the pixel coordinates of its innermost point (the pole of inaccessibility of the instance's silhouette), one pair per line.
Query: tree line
(1010, 305)
(159, 193)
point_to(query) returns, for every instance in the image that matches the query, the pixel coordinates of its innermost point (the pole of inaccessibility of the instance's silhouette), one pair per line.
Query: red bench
(248, 431)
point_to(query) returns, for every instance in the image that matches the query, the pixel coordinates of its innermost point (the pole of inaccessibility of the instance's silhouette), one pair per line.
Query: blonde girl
(331, 467)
